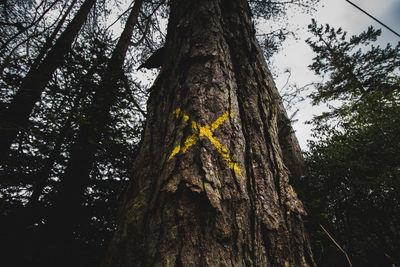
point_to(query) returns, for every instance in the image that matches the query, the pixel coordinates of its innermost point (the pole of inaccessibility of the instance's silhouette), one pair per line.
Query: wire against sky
(365, 12)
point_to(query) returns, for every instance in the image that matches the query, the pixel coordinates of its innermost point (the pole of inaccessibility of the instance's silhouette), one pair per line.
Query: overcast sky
(296, 55)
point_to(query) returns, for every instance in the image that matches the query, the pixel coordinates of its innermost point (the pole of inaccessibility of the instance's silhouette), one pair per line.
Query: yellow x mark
(206, 131)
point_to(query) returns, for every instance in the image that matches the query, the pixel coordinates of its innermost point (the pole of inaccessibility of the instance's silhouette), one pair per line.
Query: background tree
(35, 164)
(272, 21)
(16, 116)
(352, 183)
(76, 177)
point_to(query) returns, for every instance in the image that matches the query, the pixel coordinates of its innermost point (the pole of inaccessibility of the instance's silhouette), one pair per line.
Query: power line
(365, 12)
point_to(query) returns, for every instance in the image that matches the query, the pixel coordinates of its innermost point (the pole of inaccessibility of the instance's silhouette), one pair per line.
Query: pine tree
(76, 177)
(16, 116)
(352, 181)
(210, 187)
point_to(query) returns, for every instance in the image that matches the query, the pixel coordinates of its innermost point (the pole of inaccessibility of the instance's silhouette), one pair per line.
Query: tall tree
(82, 155)
(54, 124)
(210, 187)
(353, 175)
(16, 116)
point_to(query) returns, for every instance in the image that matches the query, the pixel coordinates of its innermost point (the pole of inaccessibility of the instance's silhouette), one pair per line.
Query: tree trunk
(16, 117)
(76, 177)
(291, 151)
(45, 172)
(47, 45)
(210, 187)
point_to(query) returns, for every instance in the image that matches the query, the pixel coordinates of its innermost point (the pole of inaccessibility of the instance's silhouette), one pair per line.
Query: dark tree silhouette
(16, 116)
(76, 177)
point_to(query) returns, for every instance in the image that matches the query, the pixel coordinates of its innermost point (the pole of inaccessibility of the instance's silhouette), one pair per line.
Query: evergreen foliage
(352, 187)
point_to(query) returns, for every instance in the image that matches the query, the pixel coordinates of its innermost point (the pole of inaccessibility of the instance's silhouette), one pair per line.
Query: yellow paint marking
(189, 142)
(220, 120)
(206, 131)
(174, 152)
(177, 113)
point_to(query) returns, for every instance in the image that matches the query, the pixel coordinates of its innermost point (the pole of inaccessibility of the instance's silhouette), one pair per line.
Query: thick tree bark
(16, 117)
(76, 177)
(210, 186)
(291, 151)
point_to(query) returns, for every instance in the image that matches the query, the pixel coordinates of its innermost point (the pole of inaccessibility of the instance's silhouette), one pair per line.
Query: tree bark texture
(291, 151)
(210, 186)
(16, 117)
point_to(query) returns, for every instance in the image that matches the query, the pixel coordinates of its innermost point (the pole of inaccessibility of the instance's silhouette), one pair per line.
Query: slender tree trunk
(65, 132)
(291, 151)
(16, 117)
(210, 186)
(49, 162)
(47, 45)
(45, 172)
(25, 28)
(76, 177)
